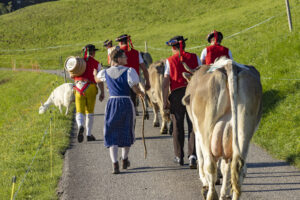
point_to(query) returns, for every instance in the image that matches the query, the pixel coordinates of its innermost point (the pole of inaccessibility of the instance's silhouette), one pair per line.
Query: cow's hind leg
(210, 170)
(225, 171)
(164, 127)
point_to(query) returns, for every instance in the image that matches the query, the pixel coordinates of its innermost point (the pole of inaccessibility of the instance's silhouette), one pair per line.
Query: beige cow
(224, 102)
(156, 74)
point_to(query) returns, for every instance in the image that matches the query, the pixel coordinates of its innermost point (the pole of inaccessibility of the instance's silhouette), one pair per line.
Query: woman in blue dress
(119, 119)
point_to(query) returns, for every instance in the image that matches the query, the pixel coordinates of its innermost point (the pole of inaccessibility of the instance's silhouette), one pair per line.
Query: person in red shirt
(176, 83)
(85, 94)
(134, 60)
(215, 50)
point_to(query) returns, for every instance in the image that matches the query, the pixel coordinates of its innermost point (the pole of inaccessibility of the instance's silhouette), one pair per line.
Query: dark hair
(175, 42)
(116, 53)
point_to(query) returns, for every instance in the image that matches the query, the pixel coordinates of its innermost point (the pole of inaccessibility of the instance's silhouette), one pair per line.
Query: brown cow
(156, 75)
(224, 102)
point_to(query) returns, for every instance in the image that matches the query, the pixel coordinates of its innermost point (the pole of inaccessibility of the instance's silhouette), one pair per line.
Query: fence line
(28, 169)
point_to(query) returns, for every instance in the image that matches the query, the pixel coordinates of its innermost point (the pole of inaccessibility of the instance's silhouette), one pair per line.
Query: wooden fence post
(289, 14)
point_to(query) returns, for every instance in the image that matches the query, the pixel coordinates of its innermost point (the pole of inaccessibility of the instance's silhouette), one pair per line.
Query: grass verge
(21, 132)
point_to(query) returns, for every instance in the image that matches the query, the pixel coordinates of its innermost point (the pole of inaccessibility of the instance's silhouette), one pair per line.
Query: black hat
(107, 42)
(122, 38)
(212, 34)
(175, 40)
(90, 47)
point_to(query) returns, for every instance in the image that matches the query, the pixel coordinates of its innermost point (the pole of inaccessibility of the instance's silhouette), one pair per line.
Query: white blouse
(116, 71)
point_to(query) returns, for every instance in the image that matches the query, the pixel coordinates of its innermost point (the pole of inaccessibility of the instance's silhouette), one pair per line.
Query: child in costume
(119, 113)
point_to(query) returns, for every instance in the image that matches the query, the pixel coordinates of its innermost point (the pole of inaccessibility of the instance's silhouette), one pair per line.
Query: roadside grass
(270, 47)
(21, 132)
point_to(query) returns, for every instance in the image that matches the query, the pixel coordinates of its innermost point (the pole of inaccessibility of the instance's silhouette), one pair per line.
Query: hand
(95, 72)
(166, 105)
(142, 94)
(147, 86)
(101, 97)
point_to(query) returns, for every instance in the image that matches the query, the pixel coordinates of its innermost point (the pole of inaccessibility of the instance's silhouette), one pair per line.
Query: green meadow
(44, 35)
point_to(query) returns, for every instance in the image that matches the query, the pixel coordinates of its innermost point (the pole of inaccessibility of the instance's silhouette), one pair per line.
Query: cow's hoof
(227, 197)
(164, 132)
(218, 182)
(146, 116)
(204, 191)
(156, 124)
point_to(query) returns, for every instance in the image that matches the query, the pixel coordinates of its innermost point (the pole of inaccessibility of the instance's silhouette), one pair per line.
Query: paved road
(87, 171)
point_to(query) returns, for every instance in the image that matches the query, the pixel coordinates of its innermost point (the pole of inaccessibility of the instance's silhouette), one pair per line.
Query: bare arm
(165, 90)
(146, 75)
(95, 76)
(101, 87)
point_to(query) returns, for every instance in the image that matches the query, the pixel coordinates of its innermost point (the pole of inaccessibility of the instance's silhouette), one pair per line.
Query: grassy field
(22, 131)
(47, 33)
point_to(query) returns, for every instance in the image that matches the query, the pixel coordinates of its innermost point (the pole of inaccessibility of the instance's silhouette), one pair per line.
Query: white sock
(113, 152)
(89, 123)
(80, 119)
(192, 157)
(125, 152)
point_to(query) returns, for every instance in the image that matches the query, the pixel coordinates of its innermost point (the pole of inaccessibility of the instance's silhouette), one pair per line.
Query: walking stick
(143, 134)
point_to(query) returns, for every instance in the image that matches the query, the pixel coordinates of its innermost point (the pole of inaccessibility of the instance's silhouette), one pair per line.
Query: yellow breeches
(85, 104)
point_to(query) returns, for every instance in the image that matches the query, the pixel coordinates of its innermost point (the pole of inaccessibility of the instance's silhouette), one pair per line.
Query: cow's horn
(188, 68)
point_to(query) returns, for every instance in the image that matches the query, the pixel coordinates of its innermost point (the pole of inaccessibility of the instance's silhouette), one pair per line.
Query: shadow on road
(155, 137)
(154, 169)
(267, 164)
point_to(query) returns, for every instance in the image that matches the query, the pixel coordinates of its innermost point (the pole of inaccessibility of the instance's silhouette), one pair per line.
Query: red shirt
(133, 60)
(214, 52)
(91, 64)
(176, 69)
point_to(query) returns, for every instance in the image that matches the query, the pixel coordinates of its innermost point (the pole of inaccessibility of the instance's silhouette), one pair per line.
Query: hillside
(256, 32)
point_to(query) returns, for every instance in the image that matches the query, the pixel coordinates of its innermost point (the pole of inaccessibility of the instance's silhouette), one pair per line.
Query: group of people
(122, 79)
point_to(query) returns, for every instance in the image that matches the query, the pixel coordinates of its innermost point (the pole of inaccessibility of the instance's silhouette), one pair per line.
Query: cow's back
(207, 96)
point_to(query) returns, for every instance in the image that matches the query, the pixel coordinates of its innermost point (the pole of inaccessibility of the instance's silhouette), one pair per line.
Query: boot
(116, 169)
(125, 163)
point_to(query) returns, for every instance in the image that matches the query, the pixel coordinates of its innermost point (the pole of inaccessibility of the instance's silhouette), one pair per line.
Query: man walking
(174, 80)
(85, 94)
(134, 60)
(215, 50)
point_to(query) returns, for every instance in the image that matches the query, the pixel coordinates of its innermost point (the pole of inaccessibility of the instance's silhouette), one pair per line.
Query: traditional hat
(215, 34)
(175, 40)
(122, 38)
(90, 47)
(107, 42)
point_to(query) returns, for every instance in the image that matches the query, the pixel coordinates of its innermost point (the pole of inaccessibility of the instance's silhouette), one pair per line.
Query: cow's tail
(237, 161)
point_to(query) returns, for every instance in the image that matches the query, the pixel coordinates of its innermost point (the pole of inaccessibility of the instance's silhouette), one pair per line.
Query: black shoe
(80, 134)
(125, 163)
(91, 138)
(193, 163)
(116, 169)
(178, 160)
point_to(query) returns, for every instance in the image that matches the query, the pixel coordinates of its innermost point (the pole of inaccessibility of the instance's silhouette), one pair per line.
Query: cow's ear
(187, 76)
(186, 100)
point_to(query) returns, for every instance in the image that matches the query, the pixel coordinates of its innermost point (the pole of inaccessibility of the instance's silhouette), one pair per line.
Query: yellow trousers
(85, 104)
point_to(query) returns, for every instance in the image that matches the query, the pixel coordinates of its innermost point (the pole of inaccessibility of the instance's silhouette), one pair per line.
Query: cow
(156, 75)
(224, 102)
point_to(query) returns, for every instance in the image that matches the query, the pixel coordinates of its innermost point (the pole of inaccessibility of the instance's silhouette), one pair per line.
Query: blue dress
(119, 113)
